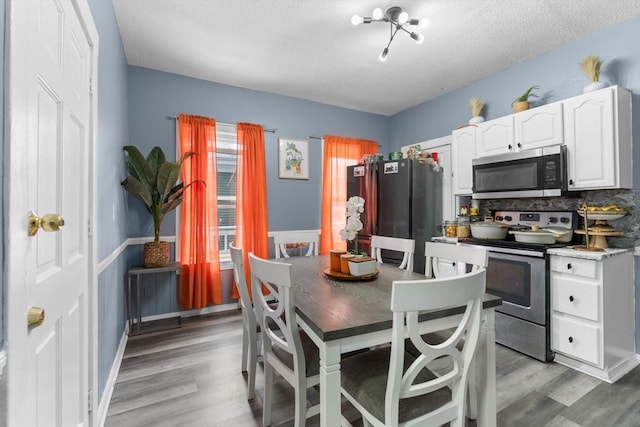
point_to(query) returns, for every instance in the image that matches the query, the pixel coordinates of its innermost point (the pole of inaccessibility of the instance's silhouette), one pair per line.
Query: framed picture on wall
(293, 158)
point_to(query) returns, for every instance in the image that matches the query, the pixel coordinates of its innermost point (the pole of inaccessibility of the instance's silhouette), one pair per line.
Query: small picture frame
(358, 171)
(293, 158)
(390, 167)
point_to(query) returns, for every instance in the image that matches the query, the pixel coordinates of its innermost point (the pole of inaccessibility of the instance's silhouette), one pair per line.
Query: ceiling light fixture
(397, 19)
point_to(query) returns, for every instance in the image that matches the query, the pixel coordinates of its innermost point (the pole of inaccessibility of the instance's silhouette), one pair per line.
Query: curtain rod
(266, 130)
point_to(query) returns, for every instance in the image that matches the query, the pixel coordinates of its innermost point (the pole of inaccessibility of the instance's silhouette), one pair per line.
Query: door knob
(35, 317)
(48, 222)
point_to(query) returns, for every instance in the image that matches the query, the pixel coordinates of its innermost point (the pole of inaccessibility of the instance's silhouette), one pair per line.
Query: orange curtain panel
(339, 152)
(200, 282)
(251, 195)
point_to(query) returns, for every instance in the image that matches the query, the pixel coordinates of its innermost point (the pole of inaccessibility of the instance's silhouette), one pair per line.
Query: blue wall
(111, 228)
(293, 204)
(557, 73)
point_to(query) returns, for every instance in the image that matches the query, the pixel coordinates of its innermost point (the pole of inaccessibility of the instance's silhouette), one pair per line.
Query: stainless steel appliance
(528, 173)
(519, 274)
(409, 203)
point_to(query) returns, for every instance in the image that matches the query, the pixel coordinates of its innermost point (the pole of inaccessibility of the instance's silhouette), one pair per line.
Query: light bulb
(424, 22)
(357, 19)
(419, 38)
(377, 13)
(403, 18)
(384, 54)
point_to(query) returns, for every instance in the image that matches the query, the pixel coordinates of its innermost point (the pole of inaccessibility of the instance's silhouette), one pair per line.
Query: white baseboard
(103, 407)
(194, 312)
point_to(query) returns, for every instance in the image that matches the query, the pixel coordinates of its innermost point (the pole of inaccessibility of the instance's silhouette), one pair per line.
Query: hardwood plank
(191, 377)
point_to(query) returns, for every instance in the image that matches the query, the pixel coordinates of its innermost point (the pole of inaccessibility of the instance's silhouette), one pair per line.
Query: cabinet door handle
(510, 147)
(571, 298)
(571, 182)
(519, 145)
(570, 339)
(569, 266)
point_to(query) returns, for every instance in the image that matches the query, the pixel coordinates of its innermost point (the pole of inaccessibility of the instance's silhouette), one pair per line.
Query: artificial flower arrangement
(355, 206)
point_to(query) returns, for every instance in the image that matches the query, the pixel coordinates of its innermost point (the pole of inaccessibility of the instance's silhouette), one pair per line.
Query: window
(226, 173)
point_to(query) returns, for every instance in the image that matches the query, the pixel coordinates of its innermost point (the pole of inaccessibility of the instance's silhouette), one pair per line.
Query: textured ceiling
(308, 48)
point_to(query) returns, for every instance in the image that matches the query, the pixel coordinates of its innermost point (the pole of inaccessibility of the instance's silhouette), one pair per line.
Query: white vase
(594, 86)
(475, 120)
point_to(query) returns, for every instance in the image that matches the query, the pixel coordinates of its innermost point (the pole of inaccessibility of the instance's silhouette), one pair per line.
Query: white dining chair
(458, 259)
(282, 239)
(406, 246)
(287, 350)
(251, 341)
(391, 387)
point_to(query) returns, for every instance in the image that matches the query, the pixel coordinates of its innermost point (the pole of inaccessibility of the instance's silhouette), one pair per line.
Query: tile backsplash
(627, 199)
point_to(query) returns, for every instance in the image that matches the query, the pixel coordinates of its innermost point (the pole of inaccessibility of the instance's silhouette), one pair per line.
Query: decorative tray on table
(339, 275)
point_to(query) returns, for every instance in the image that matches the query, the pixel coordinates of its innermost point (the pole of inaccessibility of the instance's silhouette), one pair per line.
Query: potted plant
(591, 66)
(476, 105)
(153, 181)
(522, 102)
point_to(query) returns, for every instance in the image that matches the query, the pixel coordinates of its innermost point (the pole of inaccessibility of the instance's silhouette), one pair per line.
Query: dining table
(342, 314)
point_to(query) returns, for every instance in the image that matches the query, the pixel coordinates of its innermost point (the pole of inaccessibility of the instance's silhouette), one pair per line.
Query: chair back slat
(406, 246)
(462, 256)
(283, 238)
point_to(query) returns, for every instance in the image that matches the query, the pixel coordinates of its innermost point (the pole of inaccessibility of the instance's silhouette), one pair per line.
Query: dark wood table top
(337, 309)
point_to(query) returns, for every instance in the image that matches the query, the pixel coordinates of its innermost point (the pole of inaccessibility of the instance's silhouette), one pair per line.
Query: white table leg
(330, 385)
(486, 372)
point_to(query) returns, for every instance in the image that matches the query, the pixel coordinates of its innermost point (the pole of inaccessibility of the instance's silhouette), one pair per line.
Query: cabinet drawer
(576, 339)
(576, 298)
(575, 266)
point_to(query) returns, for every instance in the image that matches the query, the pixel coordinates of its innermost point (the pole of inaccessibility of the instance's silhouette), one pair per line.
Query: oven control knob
(571, 298)
(553, 220)
(564, 220)
(499, 218)
(508, 218)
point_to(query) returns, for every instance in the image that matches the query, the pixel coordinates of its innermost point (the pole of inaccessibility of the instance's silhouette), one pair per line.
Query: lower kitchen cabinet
(592, 311)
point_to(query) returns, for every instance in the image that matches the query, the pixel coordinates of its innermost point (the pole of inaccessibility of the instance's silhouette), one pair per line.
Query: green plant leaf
(139, 191)
(137, 165)
(168, 175)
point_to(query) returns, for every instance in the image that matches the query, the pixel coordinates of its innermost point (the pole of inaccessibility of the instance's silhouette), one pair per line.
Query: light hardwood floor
(191, 377)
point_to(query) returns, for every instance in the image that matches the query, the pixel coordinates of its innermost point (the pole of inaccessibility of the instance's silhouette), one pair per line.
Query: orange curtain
(339, 152)
(200, 282)
(251, 196)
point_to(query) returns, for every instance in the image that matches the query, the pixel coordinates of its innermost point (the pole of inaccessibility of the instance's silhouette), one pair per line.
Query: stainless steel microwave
(541, 172)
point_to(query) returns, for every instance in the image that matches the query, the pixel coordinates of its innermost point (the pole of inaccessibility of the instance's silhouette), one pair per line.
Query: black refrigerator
(408, 203)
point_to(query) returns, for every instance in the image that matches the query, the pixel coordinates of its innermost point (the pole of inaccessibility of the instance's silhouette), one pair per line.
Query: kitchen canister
(335, 259)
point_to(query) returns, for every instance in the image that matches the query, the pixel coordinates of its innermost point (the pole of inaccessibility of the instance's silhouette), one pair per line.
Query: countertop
(598, 256)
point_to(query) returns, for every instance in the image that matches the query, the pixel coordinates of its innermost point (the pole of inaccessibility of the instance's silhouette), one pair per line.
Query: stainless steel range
(519, 274)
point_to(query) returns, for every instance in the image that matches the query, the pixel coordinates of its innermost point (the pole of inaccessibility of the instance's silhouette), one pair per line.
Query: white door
(50, 118)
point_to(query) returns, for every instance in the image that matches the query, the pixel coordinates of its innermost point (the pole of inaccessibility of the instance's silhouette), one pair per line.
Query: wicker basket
(156, 254)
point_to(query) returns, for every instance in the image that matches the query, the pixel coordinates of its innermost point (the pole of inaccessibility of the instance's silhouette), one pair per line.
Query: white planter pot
(595, 86)
(362, 266)
(475, 120)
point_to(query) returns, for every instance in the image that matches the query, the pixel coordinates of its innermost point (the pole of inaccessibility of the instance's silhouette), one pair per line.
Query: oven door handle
(509, 251)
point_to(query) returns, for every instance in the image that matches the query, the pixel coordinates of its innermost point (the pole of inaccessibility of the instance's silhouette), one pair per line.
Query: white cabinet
(598, 138)
(463, 151)
(495, 136)
(592, 312)
(539, 127)
(535, 128)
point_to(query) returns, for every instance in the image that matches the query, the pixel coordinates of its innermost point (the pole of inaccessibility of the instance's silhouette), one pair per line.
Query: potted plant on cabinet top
(476, 105)
(522, 102)
(591, 67)
(153, 181)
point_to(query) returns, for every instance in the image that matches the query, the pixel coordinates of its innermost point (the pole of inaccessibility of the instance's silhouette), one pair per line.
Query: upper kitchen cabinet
(495, 137)
(535, 128)
(463, 151)
(598, 138)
